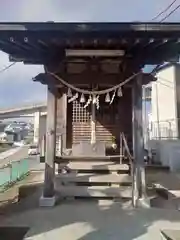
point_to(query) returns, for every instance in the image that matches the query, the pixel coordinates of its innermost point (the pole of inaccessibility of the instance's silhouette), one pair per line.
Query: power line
(7, 67)
(162, 12)
(165, 10)
(173, 11)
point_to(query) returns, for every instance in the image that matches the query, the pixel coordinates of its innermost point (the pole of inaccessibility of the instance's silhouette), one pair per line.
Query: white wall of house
(164, 103)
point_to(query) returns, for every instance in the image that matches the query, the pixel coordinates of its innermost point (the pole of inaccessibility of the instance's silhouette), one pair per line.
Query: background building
(165, 103)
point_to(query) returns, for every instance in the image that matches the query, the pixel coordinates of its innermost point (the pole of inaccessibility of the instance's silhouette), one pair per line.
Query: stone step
(60, 159)
(95, 178)
(111, 166)
(95, 191)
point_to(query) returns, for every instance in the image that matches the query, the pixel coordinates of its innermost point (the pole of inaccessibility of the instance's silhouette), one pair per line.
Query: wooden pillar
(64, 112)
(62, 118)
(42, 132)
(37, 116)
(93, 123)
(42, 152)
(138, 148)
(48, 198)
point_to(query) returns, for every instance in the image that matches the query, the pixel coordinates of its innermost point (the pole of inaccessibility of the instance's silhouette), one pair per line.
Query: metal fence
(13, 172)
(167, 129)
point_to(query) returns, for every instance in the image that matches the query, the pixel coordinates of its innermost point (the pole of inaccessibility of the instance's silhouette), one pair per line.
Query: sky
(16, 85)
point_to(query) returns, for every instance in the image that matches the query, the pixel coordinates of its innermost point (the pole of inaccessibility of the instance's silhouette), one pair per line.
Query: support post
(62, 118)
(42, 132)
(64, 130)
(60, 145)
(93, 123)
(139, 187)
(42, 149)
(48, 198)
(121, 148)
(36, 126)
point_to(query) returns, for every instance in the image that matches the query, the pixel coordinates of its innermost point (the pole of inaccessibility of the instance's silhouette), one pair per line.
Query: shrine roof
(41, 43)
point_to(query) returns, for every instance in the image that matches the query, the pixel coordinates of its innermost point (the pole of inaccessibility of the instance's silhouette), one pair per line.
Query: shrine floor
(86, 220)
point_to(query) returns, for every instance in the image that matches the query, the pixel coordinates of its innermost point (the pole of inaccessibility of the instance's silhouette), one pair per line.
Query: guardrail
(13, 172)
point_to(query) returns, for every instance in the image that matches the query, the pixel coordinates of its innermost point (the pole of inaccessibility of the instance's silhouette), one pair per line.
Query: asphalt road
(20, 154)
(33, 161)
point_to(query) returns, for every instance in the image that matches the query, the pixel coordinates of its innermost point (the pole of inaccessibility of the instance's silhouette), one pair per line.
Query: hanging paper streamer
(82, 99)
(94, 99)
(69, 94)
(107, 98)
(113, 96)
(97, 102)
(119, 92)
(73, 98)
(88, 102)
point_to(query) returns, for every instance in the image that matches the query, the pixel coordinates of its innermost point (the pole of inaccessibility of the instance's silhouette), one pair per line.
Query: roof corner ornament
(25, 39)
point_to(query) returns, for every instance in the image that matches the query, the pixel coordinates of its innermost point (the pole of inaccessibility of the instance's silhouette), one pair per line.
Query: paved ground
(87, 220)
(84, 220)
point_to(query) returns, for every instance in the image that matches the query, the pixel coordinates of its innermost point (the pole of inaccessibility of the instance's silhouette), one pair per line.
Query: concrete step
(111, 166)
(95, 191)
(90, 158)
(94, 178)
(60, 159)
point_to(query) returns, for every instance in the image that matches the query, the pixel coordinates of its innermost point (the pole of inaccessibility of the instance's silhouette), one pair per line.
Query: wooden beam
(48, 191)
(138, 171)
(11, 48)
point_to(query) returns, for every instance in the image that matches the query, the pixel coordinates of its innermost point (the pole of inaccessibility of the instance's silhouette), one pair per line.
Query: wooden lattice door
(107, 122)
(81, 123)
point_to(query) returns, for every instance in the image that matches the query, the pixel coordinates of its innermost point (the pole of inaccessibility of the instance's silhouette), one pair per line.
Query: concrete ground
(84, 219)
(87, 220)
